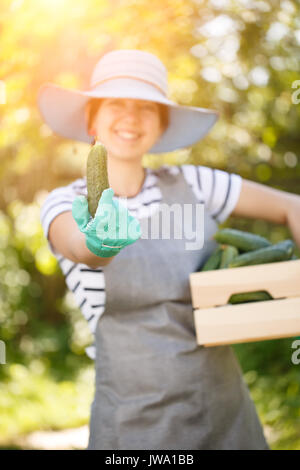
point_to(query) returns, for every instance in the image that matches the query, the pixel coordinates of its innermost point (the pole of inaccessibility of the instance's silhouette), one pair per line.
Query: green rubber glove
(111, 229)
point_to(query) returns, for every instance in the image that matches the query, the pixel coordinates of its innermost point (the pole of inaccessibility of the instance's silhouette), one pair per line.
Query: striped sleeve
(59, 200)
(218, 189)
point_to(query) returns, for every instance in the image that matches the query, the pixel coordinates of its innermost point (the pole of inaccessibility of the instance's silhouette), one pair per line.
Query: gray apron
(155, 387)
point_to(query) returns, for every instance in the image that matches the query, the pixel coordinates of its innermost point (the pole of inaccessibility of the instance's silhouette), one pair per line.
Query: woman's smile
(129, 124)
(127, 136)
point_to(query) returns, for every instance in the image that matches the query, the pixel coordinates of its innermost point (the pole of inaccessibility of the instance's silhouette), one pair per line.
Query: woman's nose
(131, 113)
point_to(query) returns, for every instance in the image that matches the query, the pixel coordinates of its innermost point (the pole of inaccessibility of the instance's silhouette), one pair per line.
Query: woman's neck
(125, 178)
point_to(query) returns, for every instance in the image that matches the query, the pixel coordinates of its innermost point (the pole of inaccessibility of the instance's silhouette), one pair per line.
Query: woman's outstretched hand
(111, 229)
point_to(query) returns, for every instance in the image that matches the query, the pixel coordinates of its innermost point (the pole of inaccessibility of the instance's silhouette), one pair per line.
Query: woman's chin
(125, 152)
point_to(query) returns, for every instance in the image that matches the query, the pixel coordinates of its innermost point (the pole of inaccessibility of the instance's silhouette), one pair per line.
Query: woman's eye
(144, 107)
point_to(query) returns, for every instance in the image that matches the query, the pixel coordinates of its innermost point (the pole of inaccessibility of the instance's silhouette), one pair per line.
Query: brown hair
(92, 107)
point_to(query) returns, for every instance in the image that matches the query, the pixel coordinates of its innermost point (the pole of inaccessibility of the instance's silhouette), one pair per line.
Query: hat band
(134, 78)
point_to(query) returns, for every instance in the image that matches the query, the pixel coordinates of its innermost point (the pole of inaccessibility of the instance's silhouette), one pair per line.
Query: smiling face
(128, 127)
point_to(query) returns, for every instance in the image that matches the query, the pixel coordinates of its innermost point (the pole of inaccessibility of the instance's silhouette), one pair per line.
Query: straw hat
(125, 73)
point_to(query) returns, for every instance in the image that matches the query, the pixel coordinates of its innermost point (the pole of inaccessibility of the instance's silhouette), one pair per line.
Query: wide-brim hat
(125, 73)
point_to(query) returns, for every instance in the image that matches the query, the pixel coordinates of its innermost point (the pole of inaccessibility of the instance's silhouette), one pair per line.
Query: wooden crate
(219, 323)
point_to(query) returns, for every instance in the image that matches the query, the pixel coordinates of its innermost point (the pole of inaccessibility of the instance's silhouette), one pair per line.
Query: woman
(155, 387)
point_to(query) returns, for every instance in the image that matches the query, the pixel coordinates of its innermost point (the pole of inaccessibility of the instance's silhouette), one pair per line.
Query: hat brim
(64, 112)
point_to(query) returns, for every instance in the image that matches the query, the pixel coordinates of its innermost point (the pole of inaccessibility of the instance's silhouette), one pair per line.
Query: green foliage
(274, 384)
(30, 399)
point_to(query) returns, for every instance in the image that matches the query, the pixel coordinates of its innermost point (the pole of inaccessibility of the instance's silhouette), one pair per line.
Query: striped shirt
(216, 189)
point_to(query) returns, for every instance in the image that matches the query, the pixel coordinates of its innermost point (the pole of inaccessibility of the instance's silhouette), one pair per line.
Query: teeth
(127, 135)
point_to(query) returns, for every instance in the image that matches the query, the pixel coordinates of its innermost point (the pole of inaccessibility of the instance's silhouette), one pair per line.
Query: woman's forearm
(67, 239)
(258, 201)
(84, 255)
(293, 217)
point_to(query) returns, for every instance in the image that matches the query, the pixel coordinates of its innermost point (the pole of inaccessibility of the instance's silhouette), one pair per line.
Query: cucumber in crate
(239, 248)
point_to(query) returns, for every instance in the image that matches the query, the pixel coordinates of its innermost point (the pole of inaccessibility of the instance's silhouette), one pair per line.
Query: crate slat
(253, 321)
(213, 288)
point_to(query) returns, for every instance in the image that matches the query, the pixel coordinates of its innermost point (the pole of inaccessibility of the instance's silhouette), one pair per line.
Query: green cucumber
(228, 254)
(243, 240)
(281, 251)
(242, 297)
(96, 176)
(213, 262)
